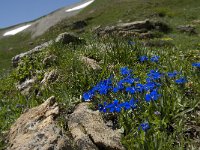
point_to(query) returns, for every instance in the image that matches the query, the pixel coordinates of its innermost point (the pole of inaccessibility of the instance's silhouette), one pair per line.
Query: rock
(49, 60)
(26, 86)
(187, 29)
(67, 38)
(90, 132)
(79, 24)
(64, 38)
(37, 129)
(17, 58)
(91, 63)
(49, 77)
(132, 28)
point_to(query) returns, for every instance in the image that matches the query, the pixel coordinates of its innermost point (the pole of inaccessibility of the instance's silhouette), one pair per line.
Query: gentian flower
(130, 90)
(154, 95)
(125, 71)
(172, 74)
(87, 96)
(139, 87)
(132, 103)
(155, 59)
(181, 80)
(154, 74)
(145, 126)
(143, 58)
(196, 64)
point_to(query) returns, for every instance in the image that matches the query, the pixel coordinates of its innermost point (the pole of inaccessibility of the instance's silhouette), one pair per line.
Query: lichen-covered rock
(67, 38)
(17, 58)
(90, 132)
(91, 63)
(63, 38)
(49, 60)
(50, 77)
(36, 129)
(132, 28)
(187, 29)
(26, 86)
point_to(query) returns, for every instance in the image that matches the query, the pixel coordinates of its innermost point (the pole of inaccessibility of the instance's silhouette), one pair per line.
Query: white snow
(17, 30)
(80, 6)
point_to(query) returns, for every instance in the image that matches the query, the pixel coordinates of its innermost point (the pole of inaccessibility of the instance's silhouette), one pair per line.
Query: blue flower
(181, 80)
(154, 95)
(154, 74)
(155, 59)
(139, 87)
(132, 103)
(172, 74)
(149, 86)
(145, 126)
(143, 58)
(113, 107)
(125, 71)
(87, 96)
(131, 90)
(196, 64)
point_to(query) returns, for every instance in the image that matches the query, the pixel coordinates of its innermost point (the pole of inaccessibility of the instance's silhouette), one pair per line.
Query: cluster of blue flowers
(197, 65)
(131, 85)
(152, 59)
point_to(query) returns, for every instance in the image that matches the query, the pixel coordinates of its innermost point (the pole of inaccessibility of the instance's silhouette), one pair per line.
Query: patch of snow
(17, 30)
(80, 6)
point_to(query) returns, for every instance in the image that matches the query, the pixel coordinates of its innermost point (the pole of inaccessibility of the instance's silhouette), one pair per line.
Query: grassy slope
(76, 78)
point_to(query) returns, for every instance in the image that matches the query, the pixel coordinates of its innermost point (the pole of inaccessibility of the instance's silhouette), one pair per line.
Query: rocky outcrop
(17, 58)
(37, 129)
(48, 60)
(64, 38)
(91, 63)
(132, 28)
(90, 132)
(187, 29)
(67, 38)
(26, 86)
(49, 77)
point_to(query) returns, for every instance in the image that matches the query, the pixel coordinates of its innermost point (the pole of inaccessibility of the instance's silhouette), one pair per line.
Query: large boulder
(37, 129)
(90, 131)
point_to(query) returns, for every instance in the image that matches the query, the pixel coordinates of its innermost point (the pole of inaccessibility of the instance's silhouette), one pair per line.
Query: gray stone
(49, 60)
(50, 77)
(132, 28)
(187, 29)
(17, 58)
(90, 132)
(91, 63)
(67, 38)
(26, 86)
(64, 38)
(36, 129)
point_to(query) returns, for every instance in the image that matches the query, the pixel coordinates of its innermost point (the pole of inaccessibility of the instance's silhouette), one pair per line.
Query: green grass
(178, 105)
(76, 78)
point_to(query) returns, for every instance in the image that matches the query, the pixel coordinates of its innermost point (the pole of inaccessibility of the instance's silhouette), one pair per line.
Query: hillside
(117, 74)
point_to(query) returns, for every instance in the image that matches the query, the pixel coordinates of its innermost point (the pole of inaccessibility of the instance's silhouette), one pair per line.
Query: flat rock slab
(36, 129)
(90, 132)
